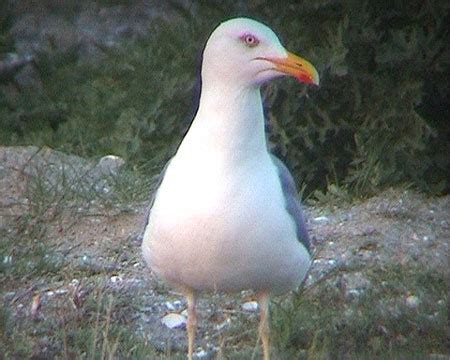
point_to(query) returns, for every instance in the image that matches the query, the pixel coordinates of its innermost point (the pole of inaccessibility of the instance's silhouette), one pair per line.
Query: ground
(73, 283)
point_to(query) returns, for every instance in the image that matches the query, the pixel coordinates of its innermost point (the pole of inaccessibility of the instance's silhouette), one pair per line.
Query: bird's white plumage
(225, 216)
(224, 229)
(219, 218)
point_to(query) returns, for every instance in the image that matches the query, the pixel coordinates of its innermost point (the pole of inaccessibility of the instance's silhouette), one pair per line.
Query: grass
(93, 330)
(90, 321)
(54, 200)
(94, 320)
(334, 195)
(324, 324)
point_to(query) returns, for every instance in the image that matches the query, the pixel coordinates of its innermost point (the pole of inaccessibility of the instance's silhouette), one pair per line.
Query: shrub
(379, 117)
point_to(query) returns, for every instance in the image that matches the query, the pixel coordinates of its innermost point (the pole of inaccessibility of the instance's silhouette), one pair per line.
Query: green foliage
(376, 325)
(362, 126)
(378, 118)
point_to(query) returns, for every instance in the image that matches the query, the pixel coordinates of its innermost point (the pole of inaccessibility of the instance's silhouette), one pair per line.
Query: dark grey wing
(293, 206)
(153, 193)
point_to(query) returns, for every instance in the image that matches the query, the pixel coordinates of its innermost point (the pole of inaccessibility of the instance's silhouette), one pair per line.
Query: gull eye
(250, 40)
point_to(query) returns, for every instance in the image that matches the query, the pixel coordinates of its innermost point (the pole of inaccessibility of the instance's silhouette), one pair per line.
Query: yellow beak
(297, 67)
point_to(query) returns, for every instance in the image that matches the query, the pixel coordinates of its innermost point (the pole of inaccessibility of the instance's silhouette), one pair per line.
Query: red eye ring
(250, 40)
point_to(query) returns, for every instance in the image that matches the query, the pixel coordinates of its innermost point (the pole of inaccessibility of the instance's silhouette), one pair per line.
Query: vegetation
(36, 258)
(402, 314)
(375, 325)
(379, 117)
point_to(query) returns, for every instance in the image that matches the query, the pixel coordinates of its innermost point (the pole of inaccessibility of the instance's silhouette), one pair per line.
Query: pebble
(321, 219)
(201, 354)
(224, 324)
(250, 306)
(355, 284)
(110, 165)
(9, 295)
(169, 306)
(174, 320)
(116, 279)
(173, 305)
(412, 301)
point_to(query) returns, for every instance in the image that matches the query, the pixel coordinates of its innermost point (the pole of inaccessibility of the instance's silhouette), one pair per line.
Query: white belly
(224, 230)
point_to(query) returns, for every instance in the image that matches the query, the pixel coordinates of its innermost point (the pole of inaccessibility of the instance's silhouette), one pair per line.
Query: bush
(379, 117)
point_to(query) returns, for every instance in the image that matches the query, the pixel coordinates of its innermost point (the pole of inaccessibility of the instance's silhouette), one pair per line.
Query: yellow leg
(191, 322)
(264, 326)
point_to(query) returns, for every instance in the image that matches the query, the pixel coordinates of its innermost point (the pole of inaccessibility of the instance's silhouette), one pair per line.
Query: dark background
(99, 77)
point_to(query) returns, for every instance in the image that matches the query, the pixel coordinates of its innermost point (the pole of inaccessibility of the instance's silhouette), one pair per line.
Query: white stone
(169, 306)
(250, 306)
(412, 301)
(201, 354)
(115, 279)
(174, 320)
(321, 219)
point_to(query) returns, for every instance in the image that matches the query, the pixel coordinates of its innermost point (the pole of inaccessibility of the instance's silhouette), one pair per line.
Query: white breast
(213, 227)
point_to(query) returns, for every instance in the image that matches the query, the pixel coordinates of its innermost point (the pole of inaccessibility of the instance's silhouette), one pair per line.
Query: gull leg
(191, 322)
(264, 326)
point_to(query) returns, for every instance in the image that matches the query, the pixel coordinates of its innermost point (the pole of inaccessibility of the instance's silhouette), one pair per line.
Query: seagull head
(245, 52)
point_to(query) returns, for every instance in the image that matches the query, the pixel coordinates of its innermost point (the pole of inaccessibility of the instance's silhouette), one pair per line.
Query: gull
(225, 216)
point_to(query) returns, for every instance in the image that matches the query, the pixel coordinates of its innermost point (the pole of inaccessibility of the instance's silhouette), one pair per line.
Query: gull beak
(297, 67)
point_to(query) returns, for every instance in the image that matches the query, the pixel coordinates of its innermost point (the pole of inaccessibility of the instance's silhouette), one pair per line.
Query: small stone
(174, 320)
(355, 284)
(9, 295)
(224, 324)
(201, 354)
(369, 230)
(412, 301)
(170, 306)
(250, 306)
(353, 293)
(110, 165)
(321, 219)
(116, 279)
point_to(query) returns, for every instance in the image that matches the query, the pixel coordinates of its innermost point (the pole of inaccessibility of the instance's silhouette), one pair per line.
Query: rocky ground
(91, 248)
